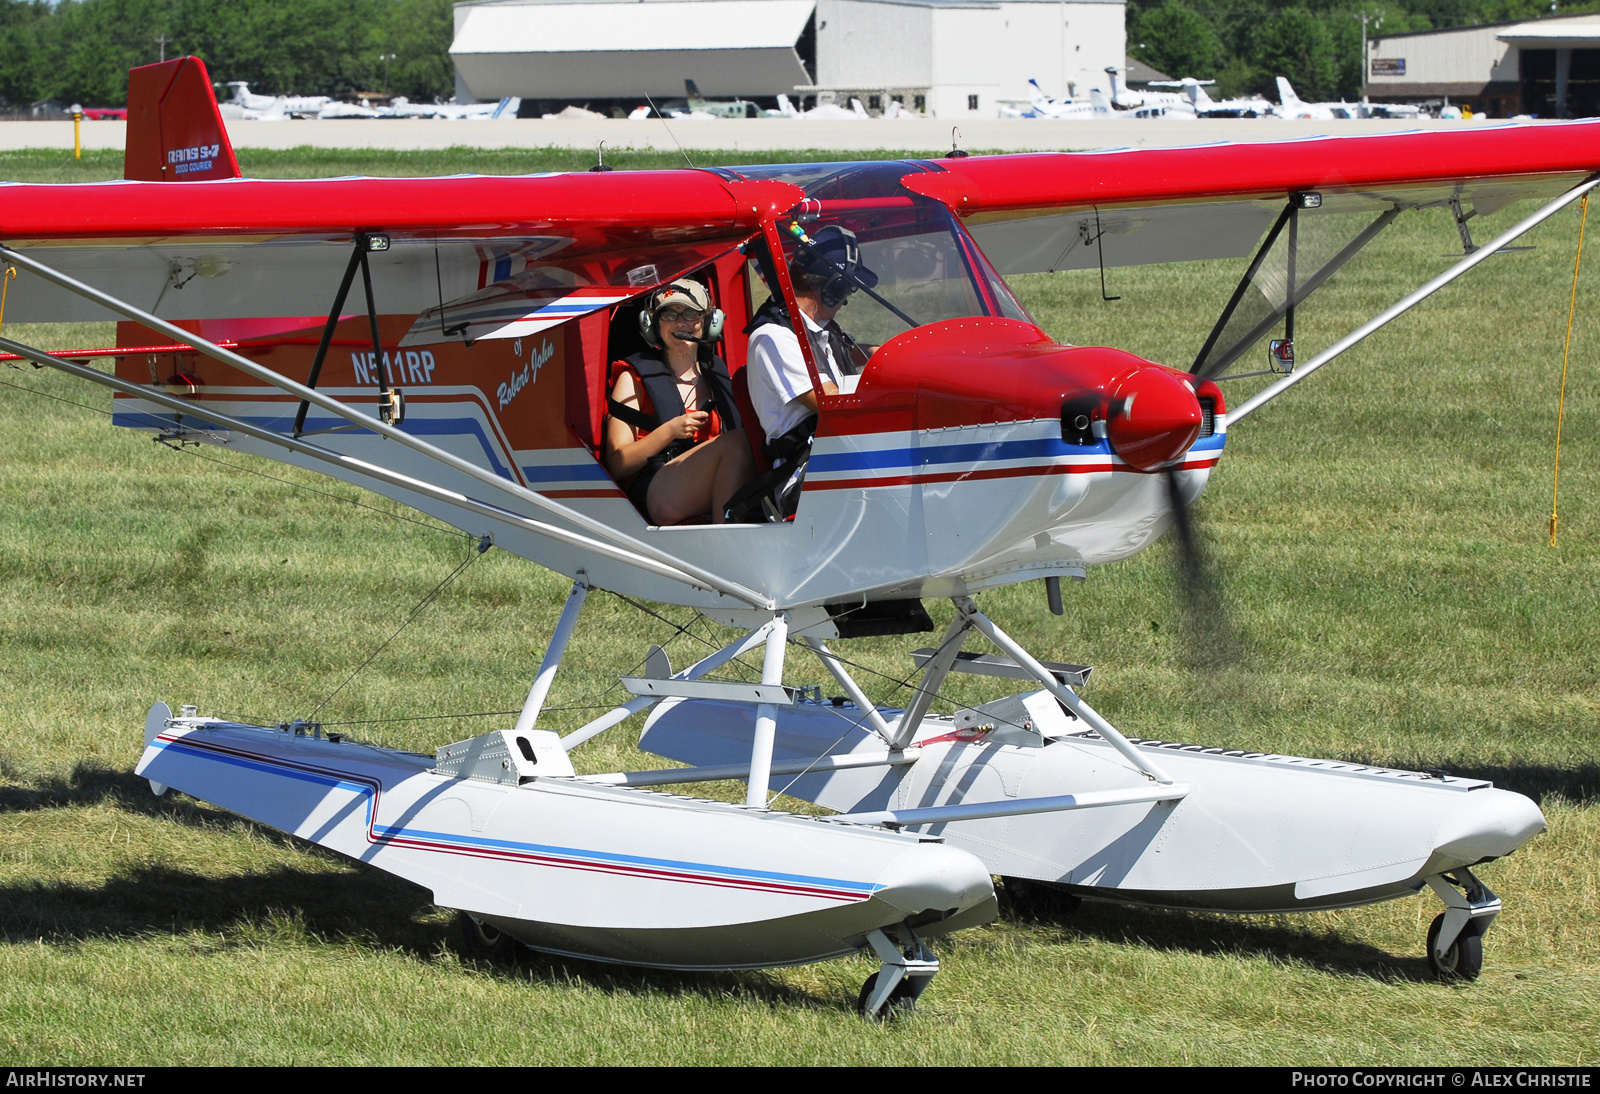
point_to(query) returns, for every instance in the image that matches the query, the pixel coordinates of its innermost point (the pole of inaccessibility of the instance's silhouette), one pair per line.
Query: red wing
(1038, 212)
(258, 248)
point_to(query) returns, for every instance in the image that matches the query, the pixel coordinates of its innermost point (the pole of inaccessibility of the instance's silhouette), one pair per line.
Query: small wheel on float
(903, 1000)
(1464, 959)
(485, 941)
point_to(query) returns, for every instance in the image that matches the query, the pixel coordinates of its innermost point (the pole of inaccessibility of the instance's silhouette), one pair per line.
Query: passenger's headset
(652, 333)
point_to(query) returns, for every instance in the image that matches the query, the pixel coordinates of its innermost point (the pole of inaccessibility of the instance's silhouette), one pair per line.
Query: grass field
(1382, 532)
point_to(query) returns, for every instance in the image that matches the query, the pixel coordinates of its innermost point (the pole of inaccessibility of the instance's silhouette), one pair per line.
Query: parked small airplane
(823, 112)
(970, 452)
(1041, 105)
(307, 105)
(1192, 101)
(1194, 93)
(718, 108)
(1125, 98)
(1292, 106)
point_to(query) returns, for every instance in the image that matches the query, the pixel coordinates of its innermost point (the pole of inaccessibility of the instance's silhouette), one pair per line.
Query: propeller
(1153, 419)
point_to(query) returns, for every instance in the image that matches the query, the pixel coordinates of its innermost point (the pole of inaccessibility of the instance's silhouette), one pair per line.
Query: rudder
(175, 131)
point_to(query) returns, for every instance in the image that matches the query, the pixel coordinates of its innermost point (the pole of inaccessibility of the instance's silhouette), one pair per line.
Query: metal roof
(672, 25)
(1553, 34)
(599, 50)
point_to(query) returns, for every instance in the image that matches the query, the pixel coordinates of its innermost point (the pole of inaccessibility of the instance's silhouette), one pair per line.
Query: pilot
(672, 438)
(825, 274)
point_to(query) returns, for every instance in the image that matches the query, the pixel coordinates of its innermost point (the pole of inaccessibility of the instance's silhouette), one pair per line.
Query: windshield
(917, 264)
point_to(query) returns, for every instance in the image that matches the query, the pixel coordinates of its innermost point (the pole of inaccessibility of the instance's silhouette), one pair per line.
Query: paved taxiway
(757, 135)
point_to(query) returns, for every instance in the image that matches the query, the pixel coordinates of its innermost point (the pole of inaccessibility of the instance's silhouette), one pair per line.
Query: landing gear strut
(907, 970)
(1455, 938)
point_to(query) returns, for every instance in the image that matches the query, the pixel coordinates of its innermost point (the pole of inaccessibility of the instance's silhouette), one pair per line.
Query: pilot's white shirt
(778, 374)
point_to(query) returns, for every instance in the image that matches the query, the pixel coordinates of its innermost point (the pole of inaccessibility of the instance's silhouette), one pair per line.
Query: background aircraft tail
(1286, 94)
(175, 131)
(1097, 98)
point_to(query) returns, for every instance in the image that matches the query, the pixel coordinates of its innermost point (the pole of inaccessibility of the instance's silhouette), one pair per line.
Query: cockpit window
(917, 265)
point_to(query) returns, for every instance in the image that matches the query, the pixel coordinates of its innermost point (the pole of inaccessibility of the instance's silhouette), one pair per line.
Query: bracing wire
(57, 398)
(421, 606)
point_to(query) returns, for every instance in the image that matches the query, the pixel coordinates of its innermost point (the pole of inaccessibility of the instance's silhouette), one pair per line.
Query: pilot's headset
(834, 254)
(685, 292)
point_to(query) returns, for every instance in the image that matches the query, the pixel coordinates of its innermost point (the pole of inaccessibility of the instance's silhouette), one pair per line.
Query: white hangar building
(1546, 67)
(948, 58)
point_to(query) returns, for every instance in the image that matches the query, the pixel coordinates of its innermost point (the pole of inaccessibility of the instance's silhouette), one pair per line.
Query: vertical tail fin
(175, 131)
(1114, 73)
(1097, 99)
(1286, 95)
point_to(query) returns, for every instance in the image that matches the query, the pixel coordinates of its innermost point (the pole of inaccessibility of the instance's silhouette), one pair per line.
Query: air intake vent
(1208, 416)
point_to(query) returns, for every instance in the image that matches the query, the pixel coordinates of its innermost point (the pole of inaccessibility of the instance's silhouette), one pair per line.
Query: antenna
(600, 159)
(668, 128)
(956, 151)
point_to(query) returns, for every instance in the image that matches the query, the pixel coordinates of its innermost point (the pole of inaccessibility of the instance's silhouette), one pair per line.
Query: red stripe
(597, 866)
(917, 478)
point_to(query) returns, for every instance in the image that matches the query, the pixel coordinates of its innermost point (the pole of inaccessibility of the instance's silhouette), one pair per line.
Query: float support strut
(932, 680)
(966, 609)
(621, 714)
(553, 655)
(868, 709)
(755, 794)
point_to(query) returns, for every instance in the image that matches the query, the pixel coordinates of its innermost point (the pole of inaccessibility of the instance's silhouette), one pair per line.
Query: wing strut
(634, 551)
(1297, 291)
(1239, 290)
(356, 467)
(327, 331)
(1272, 391)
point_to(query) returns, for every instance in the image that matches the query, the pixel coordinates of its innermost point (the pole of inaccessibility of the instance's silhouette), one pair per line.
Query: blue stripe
(572, 307)
(417, 427)
(276, 768)
(519, 309)
(268, 766)
(1043, 448)
(565, 472)
(630, 860)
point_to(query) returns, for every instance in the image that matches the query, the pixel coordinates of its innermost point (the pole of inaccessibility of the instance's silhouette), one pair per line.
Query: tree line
(81, 50)
(1245, 44)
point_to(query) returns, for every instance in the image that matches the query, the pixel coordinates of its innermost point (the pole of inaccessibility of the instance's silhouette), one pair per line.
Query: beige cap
(685, 293)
